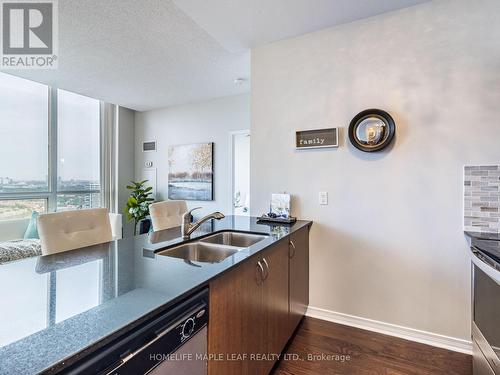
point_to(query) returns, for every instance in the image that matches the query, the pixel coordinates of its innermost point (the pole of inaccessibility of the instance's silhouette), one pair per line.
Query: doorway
(240, 172)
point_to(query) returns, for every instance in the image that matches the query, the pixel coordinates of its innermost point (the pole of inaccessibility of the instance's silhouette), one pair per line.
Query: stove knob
(187, 328)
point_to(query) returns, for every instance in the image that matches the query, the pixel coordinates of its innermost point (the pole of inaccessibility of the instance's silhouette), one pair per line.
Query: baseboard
(423, 337)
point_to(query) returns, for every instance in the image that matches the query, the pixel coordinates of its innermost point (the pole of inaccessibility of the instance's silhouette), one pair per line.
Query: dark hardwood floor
(356, 351)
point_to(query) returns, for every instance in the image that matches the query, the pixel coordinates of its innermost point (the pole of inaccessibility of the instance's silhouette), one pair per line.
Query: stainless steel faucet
(187, 228)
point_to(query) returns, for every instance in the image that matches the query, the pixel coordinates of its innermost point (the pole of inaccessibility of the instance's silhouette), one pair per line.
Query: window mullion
(52, 149)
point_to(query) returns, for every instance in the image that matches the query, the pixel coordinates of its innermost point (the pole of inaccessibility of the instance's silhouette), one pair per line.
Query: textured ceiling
(140, 54)
(155, 53)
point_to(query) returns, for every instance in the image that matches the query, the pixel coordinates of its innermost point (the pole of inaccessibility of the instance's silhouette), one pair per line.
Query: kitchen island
(62, 308)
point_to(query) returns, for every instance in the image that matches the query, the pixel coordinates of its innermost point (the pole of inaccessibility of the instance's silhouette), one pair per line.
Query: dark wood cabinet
(255, 307)
(275, 302)
(235, 313)
(299, 276)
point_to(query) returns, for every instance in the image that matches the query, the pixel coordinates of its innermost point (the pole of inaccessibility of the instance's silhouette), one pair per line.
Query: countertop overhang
(129, 281)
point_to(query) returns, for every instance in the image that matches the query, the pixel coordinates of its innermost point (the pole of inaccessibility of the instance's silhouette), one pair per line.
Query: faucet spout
(187, 228)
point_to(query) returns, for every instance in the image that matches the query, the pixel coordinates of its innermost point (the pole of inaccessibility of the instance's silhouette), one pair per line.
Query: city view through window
(24, 156)
(11, 209)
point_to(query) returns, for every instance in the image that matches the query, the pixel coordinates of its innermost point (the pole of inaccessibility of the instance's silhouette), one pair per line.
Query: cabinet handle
(293, 247)
(259, 264)
(267, 267)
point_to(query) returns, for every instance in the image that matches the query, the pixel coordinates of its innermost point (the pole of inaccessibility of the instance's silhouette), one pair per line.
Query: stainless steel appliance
(486, 307)
(174, 342)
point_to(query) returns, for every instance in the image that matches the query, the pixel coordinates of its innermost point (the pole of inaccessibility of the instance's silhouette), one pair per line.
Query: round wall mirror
(371, 130)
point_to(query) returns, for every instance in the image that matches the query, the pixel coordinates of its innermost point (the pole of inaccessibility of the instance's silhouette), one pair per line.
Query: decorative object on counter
(372, 130)
(277, 220)
(280, 205)
(190, 175)
(137, 207)
(482, 198)
(279, 210)
(318, 138)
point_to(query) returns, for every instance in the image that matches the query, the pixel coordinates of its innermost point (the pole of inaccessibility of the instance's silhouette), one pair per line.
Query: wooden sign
(318, 138)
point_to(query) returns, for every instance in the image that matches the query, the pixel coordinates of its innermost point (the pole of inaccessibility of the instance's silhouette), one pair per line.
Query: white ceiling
(242, 24)
(156, 53)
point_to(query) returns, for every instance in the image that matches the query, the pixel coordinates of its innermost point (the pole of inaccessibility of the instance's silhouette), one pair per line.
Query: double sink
(214, 248)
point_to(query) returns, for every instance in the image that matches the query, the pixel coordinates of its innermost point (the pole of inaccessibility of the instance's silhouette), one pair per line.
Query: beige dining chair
(167, 214)
(68, 230)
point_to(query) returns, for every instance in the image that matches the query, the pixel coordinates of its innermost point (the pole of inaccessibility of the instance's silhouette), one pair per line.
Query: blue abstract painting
(190, 175)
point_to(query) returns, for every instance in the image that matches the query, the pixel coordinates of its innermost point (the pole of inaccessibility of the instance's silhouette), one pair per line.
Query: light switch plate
(323, 197)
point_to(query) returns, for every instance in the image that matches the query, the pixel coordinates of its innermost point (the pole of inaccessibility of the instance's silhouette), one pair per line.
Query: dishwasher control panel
(153, 342)
(192, 325)
(163, 344)
(187, 329)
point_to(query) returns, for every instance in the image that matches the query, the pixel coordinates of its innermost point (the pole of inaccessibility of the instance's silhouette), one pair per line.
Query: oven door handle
(485, 264)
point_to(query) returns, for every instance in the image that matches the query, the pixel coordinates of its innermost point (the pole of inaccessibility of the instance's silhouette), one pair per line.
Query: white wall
(241, 167)
(209, 121)
(389, 246)
(126, 162)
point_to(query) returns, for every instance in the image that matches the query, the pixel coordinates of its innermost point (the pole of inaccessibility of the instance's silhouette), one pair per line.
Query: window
(68, 201)
(35, 174)
(78, 171)
(24, 134)
(13, 209)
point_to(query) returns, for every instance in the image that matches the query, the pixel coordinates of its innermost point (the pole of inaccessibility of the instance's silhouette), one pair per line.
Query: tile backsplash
(482, 198)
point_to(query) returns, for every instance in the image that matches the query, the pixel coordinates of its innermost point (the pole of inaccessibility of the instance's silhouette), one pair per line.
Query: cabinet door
(299, 276)
(275, 301)
(235, 323)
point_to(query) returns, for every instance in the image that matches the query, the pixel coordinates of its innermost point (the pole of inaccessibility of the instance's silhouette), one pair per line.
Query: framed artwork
(190, 172)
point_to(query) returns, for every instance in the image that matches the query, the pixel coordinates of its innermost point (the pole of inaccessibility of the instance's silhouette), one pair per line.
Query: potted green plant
(137, 207)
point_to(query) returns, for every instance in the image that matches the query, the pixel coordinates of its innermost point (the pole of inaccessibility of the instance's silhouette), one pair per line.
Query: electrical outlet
(323, 197)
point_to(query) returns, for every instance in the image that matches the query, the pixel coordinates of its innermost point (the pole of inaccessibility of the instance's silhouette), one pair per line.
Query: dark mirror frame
(384, 116)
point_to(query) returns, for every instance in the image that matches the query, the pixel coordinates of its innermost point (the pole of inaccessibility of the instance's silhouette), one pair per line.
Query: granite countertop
(488, 243)
(483, 235)
(59, 308)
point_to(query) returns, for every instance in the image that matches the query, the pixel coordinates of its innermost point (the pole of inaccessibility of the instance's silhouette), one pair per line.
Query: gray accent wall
(390, 245)
(482, 198)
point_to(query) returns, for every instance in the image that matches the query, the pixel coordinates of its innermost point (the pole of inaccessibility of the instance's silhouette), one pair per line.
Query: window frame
(51, 194)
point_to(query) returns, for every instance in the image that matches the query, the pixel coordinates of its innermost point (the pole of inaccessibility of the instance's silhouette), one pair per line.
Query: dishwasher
(174, 342)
